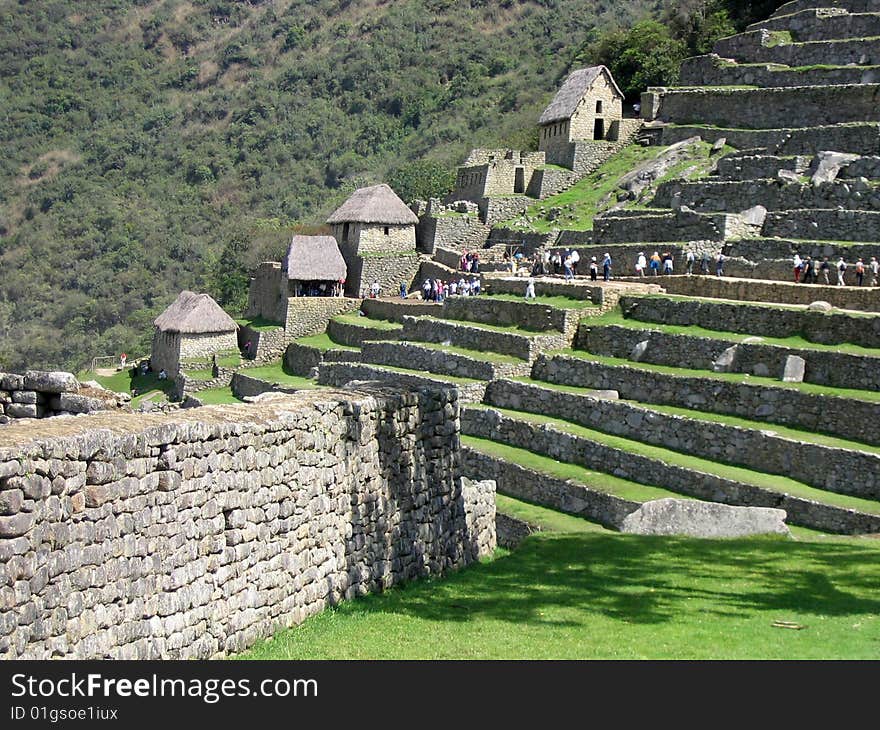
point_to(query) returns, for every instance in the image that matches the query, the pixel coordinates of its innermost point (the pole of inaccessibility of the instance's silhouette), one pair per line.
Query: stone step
(836, 465)
(862, 138)
(852, 415)
(855, 298)
(801, 106)
(473, 336)
(822, 24)
(338, 374)
(732, 196)
(822, 366)
(824, 224)
(713, 70)
(851, 6)
(568, 488)
(762, 46)
(764, 318)
(443, 360)
(682, 473)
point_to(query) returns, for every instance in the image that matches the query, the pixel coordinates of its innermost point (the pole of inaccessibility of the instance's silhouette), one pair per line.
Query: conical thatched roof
(314, 258)
(376, 204)
(572, 91)
(193, 314)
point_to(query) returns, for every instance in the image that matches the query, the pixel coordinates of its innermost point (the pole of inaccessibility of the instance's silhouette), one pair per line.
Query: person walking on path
(594, 269)
(690, 262)
(874, 266)
(704, 263)
(655, 263)
(860, 272)
(641, 263)
(122, 358)
(606, 267)
(798, 267)
(667, 262)
(575, 260)
(566, 265)
(825, 267)
(841, 270)
(530, 289)
(719, 265)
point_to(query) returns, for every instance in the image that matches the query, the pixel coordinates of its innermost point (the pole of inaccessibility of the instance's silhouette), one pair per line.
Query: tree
(422, 179)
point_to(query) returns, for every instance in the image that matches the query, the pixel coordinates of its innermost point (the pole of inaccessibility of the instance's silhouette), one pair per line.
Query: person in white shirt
(530, 289)
(575, 257)
(641, 263)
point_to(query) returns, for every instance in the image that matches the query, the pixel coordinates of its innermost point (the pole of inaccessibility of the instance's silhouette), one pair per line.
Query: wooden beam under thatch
(377, 204)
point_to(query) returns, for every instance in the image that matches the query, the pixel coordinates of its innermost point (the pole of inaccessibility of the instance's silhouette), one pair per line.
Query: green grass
(596, 480)
(584, 196)
(809, 388)
(616, 317)
(260, 324)
(773, 482)
(560, 302)
(276, 374)
(546, 519)
(509, 329)
(599, 595)
(147, 386)
(217, 396)
(779, 38)
(423, 374)
(356, 319)
(323, 342)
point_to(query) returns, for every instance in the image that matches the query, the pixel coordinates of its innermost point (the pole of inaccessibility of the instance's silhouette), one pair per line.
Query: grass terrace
(275, 373)
(560, 302)
(361, 321)
(323, 342)
(259, 324)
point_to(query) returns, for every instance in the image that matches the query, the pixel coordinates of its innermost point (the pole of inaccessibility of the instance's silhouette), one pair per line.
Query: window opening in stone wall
(599, 107)
(599, 129)
(386, 230)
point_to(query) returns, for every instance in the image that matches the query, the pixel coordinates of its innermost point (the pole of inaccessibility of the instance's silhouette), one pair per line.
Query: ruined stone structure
(192, 535)
(194, 326)
(39, 394)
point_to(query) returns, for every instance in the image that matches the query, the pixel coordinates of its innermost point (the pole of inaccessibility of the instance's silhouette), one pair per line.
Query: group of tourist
(320, 288)
(470, 262)
(436, 290)
(807, 270)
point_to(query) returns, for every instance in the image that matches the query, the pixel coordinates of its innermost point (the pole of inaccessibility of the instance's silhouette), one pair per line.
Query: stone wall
(858, 138)
(451, 230)
(195, 534)
(367, 238)
(353, 335)
(165, 352)
(204, 345)
(821, 25)
(267, 293)
(827, 328)
(712, 71)
(511, 531)
(823, 367)
(539, 488)
(848, 418)
(413, 356)
(41, 394)
(341, 373)
(459, 334)
(651, 226)
(753, 47)
(526, 241)
(825, 225)
(267, 345)
(569, 448)
(309, 315)
(395, 310)
(526, 315)
(389, 271)
(787, 292)
(494, 210)
(838, 470)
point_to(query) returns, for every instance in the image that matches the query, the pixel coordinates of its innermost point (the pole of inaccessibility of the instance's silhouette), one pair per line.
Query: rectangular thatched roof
(571, 92)
(193, 313)
(377, 204)
(314, 258)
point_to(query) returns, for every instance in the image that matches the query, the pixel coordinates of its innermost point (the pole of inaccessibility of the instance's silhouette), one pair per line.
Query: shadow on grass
(646, 580)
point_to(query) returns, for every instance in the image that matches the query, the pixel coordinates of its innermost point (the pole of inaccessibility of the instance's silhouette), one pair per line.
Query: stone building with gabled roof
(193, 326)
(585, 109)
(376, 233)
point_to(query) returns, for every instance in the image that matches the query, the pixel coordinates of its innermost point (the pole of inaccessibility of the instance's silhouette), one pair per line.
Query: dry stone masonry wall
(42, 394)
(193, 535)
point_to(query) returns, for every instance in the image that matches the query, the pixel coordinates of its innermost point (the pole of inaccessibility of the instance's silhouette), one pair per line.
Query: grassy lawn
(600, 595)
(276, 374)
(260, 325)
(356, 319)
(323, 342)
(808, 388)
(546, 519)
(509, 329)
(217, 396)
(560, 302)
(616, 317)
(772, 482)
(148, 386)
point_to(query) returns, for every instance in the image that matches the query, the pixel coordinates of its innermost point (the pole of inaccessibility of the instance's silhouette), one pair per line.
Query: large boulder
(50, 382)
(693, 518)
(827, 166)
(795, 367)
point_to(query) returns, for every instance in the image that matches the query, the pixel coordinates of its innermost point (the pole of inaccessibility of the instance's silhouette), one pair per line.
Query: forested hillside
(154, 146)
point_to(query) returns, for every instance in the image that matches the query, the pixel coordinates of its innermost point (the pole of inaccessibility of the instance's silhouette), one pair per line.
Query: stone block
(50, 382)
(11, 501)
(726, 361)
(795, 366)
(638, 351)
(819, 306)
(16, 525)
(23, 410)
(694, 518)
(29, 397)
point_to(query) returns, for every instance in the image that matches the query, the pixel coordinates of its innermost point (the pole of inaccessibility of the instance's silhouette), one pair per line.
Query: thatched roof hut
(575, 87)
(314, 258)
(377, 204)
(192, 314)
